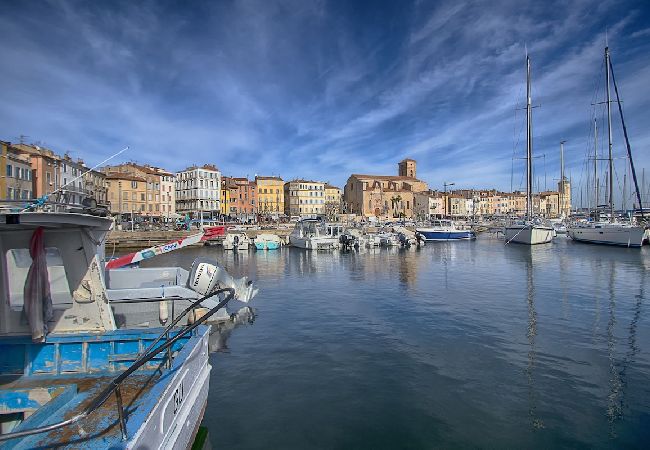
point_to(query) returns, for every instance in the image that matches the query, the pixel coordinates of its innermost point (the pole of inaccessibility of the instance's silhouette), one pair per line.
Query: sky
(324, 89)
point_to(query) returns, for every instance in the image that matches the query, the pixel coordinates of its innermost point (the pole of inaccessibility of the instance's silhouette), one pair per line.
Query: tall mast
(609, 140)
(595, 168)
(562, 177)
(529, 144)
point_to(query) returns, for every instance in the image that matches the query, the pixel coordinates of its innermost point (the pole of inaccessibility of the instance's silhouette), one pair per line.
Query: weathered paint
(75, 358)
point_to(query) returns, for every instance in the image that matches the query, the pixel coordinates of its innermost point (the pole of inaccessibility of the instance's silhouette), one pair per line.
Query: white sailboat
(529, 231)
(611, 232)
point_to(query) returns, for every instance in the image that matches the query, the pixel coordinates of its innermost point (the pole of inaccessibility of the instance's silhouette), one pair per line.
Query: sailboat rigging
(611, 232)
(530, 231)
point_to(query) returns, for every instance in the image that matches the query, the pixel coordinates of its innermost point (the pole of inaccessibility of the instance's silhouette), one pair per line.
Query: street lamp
(446, 200)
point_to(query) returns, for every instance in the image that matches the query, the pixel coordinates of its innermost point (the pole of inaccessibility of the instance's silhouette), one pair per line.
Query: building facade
(45, 171)
(384, 196)
(126, 194)
(429, 205)
(17, 183)
(198, 191)
(243, 199)
(72, 189)
(270, 196)
(304, 198)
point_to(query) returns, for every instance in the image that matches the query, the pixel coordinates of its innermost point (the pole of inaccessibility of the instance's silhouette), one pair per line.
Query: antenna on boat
(44, 198)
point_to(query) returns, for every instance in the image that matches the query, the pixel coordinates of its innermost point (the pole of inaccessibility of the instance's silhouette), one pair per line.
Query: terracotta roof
(329, 186)
(123, 176)
(384, 177)
(269, 178)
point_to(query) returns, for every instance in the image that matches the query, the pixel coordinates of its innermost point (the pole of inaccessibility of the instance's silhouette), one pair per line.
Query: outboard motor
(206, 276)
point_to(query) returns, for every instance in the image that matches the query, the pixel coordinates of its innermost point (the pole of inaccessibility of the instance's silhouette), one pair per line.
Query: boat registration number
(178, 397)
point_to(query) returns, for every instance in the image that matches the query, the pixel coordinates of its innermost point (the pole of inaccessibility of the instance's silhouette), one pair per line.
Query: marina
(324, 225)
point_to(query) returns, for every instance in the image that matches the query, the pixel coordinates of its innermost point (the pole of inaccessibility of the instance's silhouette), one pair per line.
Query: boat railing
(149, 353)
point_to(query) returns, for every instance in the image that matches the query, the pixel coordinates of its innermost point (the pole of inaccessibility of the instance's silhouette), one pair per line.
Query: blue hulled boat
(69, 378)
(445, 230)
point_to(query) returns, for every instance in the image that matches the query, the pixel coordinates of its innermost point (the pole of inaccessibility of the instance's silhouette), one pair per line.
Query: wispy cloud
(316, 89)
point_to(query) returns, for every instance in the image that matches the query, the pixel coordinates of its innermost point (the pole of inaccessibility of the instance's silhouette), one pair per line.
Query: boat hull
(313, 243)
(608, 235)
(444, 235)
(529, 234)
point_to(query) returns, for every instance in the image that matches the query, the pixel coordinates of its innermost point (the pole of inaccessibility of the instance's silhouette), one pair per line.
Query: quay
(122, 239)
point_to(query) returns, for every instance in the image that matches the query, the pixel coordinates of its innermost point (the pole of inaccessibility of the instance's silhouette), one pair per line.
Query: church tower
(406, 168)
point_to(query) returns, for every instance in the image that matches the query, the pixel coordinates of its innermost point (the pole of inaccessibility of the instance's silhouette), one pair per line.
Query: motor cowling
(206, 275)
(203, 276)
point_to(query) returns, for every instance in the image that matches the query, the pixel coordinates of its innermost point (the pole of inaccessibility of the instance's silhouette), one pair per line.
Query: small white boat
(389, 239)
(313, 234)
(267, 241)
(236, 241)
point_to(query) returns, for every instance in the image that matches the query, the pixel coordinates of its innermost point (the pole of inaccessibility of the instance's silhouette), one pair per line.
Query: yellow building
(127, 193)
(270, 196)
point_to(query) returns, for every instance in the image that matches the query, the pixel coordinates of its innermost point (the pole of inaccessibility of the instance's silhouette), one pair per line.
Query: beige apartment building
(127, 194)
(270, 196)
(429, 205)
(384, 196)
(160, 192)
(304, 198)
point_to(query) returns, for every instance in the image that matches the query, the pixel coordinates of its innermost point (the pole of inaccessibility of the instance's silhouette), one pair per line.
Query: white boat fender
(163, 308)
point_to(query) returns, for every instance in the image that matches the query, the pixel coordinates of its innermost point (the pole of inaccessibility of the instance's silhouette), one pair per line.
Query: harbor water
(455, 345)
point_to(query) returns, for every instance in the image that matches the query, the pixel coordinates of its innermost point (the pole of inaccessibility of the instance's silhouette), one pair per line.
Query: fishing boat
(69, 376)
(610, 231)
(313, 234)
(445, 230)
(531, 230)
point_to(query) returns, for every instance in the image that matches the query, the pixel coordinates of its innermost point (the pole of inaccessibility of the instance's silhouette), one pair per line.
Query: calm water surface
(456, 345)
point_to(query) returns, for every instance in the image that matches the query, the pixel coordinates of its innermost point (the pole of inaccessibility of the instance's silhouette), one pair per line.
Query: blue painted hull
(447, 235)
(267, 245)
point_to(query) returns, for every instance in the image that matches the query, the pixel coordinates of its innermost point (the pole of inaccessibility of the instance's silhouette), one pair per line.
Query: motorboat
(408, 238)
(236, 240)
(267, 241)
(445, 230)
(388, 239)
(70, 375)
(313, 234)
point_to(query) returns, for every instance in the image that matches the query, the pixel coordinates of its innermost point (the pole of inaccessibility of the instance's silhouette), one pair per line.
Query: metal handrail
(148, 355)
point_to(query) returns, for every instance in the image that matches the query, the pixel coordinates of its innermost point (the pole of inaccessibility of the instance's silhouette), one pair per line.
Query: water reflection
(531, 334)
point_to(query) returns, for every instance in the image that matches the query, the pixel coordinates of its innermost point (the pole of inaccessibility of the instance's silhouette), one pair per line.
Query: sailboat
(529, 231)
(611, 232)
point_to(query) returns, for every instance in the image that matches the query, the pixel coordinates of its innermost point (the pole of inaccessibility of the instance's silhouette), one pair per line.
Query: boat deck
(68, 396)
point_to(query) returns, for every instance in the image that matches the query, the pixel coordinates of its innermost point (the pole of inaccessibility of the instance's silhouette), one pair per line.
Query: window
(141, 197)
(134, 196)
(134, 184)
(48, 177)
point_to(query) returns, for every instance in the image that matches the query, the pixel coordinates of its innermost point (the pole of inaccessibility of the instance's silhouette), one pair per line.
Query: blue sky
(323, 89)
